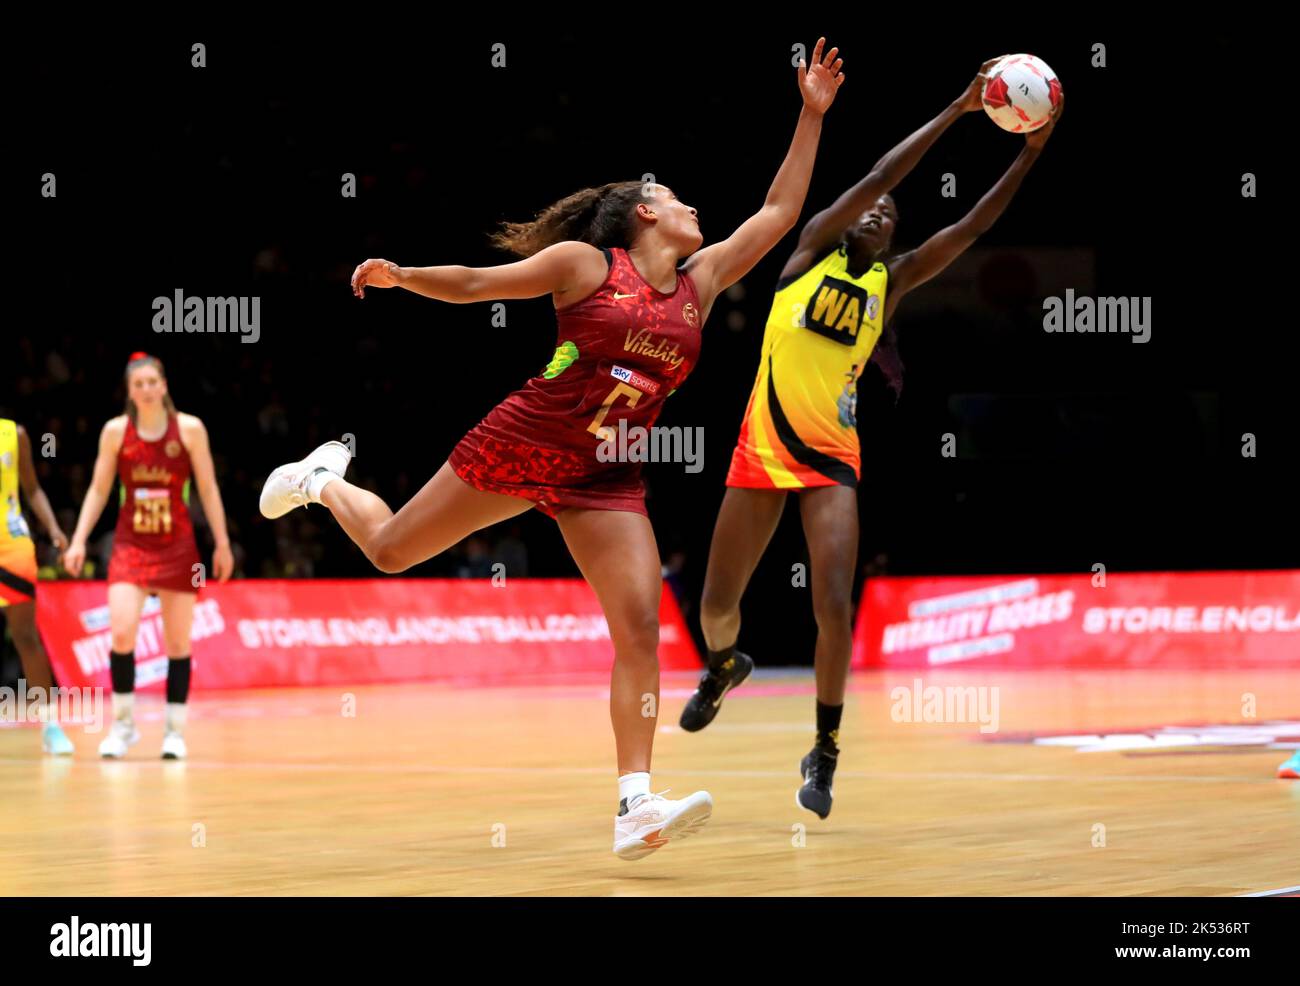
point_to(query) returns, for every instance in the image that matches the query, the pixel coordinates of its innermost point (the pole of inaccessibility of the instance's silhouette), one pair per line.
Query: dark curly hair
(601, 216)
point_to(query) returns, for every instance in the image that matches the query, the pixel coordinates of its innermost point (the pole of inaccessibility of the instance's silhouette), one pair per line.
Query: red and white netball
(1020, 93)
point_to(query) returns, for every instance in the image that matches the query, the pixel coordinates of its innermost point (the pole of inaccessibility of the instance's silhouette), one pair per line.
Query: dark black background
(225, 181)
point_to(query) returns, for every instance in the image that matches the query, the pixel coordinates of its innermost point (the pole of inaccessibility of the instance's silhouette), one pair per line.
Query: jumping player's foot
(286, 488)
(1290, 769)
(173, 747)
(817, 770)
(121, 735)
(651, 821)
(714, 685)
(54, 740)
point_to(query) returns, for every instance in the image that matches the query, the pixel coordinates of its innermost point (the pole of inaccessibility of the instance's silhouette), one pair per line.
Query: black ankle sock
(121, 669)
(828, 727)
(717, 658)
(178, 679)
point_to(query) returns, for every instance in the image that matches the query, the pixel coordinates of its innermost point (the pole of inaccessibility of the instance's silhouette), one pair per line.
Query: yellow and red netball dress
(800, 428)
(620, 353)
(17, 552)
(153, 543)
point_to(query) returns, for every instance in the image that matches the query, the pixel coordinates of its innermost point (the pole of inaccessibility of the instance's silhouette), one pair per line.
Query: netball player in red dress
(155, 452)
(629, 333)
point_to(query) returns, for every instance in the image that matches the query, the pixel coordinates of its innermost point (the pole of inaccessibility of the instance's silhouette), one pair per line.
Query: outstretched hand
(373, 274)
(1038, 138)
(820, 83)
(973, 98)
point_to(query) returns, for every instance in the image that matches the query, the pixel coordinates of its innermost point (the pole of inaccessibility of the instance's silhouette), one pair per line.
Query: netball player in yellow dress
(834, 300)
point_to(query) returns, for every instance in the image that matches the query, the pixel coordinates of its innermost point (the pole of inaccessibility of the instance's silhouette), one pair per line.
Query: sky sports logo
(100, 941)
(634, 379)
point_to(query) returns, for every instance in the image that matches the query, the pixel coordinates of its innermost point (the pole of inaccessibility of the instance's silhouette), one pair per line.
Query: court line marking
(1272, 893)
(721, 772)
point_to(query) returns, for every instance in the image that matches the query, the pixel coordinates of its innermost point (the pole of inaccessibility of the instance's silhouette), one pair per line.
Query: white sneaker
(120, 735)
(286, 488)
(173, 747)
(652, 821)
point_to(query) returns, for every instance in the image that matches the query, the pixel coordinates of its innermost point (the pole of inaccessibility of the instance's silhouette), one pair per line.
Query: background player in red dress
(845, 245)
(154, 451)
(629, 333)
(18, 573)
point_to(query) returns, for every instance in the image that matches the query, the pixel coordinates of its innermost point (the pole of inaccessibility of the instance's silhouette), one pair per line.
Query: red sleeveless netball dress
(620, 352)
(153, 543)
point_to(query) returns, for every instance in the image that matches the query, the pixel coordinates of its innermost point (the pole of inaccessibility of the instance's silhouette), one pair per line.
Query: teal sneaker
(55, 741)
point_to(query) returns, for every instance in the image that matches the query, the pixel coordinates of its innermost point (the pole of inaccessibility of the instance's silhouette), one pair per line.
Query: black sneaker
(817, 770)
(704, 704)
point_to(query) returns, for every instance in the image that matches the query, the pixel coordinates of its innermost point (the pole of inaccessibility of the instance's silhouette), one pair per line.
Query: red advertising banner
(264, 633)
(1146, 619)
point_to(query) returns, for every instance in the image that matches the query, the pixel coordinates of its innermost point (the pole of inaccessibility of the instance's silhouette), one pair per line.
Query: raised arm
(827, 226)
(194, 436)
(101, 484)
(918, 266)
(562, 269)
(41, 508)
(717, 267)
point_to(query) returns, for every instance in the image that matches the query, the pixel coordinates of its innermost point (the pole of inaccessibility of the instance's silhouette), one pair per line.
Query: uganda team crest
(691, 314)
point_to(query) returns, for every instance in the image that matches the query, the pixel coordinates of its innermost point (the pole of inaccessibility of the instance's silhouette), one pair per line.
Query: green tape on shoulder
(566, 354)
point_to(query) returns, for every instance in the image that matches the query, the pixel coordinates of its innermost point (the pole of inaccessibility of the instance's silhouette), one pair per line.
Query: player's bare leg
(441, 514)
(125, 602)
(178, 621)
(38, 674)
(830, 524)
(744, 528)
(617, 554)
(746, 522)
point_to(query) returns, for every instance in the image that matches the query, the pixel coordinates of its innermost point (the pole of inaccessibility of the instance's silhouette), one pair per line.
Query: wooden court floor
(457, 789)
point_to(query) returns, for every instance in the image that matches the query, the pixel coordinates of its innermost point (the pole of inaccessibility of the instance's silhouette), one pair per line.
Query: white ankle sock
(123, 706)
(631, 785)
(318, 481)
(175, 717)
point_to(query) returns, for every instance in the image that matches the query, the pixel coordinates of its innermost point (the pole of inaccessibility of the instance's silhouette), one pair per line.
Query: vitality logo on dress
(634, 379)
(150, 474)
(641, 343)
